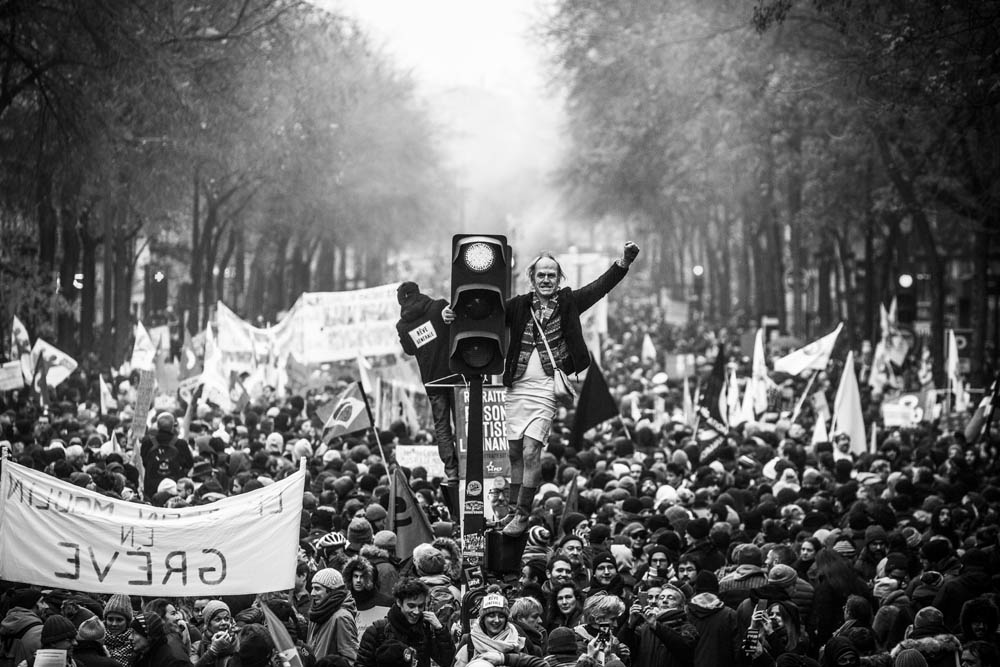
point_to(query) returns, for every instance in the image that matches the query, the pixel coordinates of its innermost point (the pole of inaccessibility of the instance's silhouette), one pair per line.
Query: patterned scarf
(120, 648)
(530, 340)
(506, 642)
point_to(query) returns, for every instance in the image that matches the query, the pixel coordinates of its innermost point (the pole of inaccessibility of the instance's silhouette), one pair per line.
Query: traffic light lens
(477, 308)
(477, 353)
(479, 257)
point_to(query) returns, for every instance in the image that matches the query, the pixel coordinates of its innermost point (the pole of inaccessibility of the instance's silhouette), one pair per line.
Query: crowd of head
(773, 551)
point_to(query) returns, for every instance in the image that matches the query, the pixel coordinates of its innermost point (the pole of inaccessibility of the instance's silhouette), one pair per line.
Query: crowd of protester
(774, 552)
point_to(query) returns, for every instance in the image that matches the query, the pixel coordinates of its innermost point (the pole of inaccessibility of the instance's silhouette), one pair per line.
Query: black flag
(594, 406)
(712, 429)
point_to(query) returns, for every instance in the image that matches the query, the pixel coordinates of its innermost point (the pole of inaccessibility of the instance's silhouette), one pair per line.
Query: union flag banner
(349, 415)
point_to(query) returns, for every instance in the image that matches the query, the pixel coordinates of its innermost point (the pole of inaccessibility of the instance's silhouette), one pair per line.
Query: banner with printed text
(58, 535)
(321, 327)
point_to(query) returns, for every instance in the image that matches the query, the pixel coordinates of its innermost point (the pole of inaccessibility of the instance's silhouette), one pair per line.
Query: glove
(629, 253)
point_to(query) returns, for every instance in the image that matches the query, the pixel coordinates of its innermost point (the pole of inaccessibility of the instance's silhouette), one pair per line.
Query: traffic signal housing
(480, 287)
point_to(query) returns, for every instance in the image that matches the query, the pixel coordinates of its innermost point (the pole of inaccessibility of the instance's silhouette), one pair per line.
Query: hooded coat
(718, 637)
(956, 591)
(372, 604)
(429, 643)
(939, 647)
(385, 565)
(980, 609)
(420, 312)
(26, 624)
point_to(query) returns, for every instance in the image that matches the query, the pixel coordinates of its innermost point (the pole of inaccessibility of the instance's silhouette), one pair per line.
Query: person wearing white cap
(494, 638)
(332, 628)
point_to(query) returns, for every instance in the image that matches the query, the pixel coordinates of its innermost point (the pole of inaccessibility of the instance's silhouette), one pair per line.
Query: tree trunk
(796, 251)
(88, 294)
(194, 323)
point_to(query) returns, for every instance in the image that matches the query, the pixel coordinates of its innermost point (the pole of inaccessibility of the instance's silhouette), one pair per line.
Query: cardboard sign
(84, 541)
(11, 376)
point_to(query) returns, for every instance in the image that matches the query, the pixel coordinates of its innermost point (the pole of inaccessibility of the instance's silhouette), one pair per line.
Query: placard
(10, 376)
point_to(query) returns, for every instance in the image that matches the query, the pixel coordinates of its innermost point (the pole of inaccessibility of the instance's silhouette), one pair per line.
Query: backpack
(443, 603)
(12, 648)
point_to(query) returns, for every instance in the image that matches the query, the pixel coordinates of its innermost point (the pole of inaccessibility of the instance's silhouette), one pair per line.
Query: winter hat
(119, 604)
(698, 529)
(936, 550)
(26, 598)
(598, 534)
(213, 607)
(912, 536)
(603, 557)
(781, 575)
(91, 630)
(406, 290)
(538, 536)
(562, 641)
(883, 587)
(910, 657)
(329, 578)
(845, 547)
(359, 532)
(706, 582)
(494, 601)
(375, 513)
(148, 625)
(875, 533)
(428, 560)
(385, 539)
(57, 628)
(928, 617)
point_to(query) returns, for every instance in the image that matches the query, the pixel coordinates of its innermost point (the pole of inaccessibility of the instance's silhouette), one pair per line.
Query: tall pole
(473, 522)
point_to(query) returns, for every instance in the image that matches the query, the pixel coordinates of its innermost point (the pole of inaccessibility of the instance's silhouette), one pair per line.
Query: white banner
(320, 327)
(58, 535)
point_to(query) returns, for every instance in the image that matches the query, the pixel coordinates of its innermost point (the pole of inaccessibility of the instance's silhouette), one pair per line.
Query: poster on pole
(143, 403)
(84, 541)
(496, 449)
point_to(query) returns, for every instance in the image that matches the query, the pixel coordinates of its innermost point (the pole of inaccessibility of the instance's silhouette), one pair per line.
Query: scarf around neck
(322, 612)
(508, 641)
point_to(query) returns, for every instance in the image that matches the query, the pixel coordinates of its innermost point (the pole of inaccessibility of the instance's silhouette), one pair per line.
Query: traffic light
(480, 287)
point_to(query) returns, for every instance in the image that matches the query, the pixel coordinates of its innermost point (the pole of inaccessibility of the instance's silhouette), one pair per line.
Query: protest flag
(983, 416)
(238, 394)
(711, 431)
(108, 400)
(594, 406)
(813, 356)
(819, 432)
(406, 519)
(143, 350)
(571, 505)
(690, 416)
(847, 414)
(214, 380)
(350, 414)
(280, 637)
(648, 352)
(733, 400)
(190, 364)
(956, 387)
(20, 348)
(58, 365)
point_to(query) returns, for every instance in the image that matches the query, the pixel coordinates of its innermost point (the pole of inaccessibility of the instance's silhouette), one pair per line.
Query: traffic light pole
(473, 521)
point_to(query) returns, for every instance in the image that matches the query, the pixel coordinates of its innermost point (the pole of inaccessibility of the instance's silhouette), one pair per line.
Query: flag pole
(371, 418)
(805, 394)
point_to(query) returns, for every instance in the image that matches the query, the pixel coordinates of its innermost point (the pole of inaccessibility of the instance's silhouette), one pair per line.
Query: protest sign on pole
(143, 402)
(11, 376)
(55, 534)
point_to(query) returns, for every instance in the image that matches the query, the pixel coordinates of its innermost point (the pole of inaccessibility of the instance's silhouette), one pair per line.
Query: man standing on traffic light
(423, 333)
(549, 315)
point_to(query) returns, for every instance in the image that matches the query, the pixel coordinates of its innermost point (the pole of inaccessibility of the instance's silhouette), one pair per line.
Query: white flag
(648, 349)
(819, 431)
(20, 348)
(215, 379)
(144, 350)
(847, 415)
(733, 412)
(108, 400)
(58, 364)
(813, 356)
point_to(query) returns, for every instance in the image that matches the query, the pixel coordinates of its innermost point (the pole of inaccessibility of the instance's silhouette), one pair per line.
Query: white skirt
(530, 404)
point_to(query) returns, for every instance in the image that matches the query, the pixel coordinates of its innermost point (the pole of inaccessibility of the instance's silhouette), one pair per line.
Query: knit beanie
(845, 547)
(494, 601)
(562, 641)
(781, 575)
(329, 578)
(213, 607)
(119, 604)
(147, 624)
(91, 630)
(910, 657)
(928, 617)
(538, 536)
(359, 531)
(428, 560)
(604, 557)
(26, 598)
(698, 529)
(375, 513)
(706, 582)
(883, 587)
(385, 539)
(57, 628)
(875, 533)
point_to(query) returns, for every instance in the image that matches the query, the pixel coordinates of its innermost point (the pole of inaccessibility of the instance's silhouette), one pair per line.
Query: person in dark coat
(956, 591)
(980, 619)
(718, 638)
(930, 636)
(423, 333)
(361, 578)
(164, 455)
(152, 649)
(410, 623)
(90, 649)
